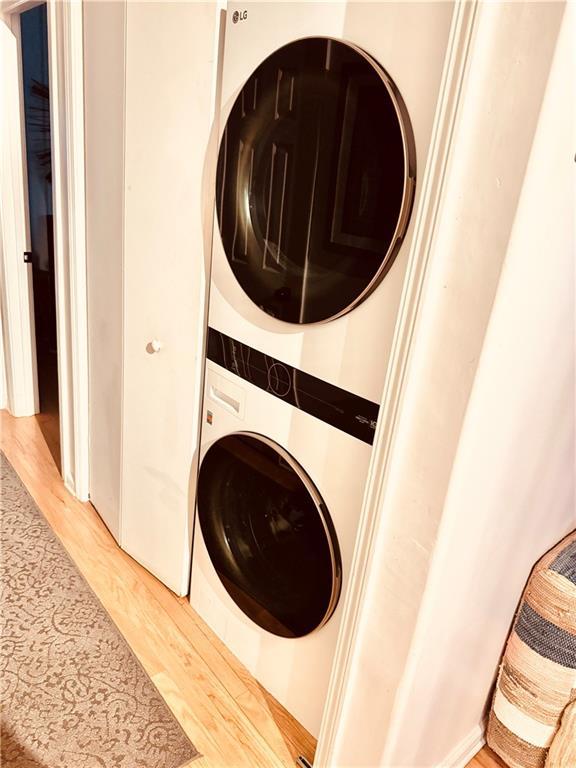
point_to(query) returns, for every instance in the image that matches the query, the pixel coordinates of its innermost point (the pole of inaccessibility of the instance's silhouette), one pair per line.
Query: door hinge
(28, 257)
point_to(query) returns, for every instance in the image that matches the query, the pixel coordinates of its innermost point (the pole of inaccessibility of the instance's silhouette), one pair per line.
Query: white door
(17, 293)
(147, 129)
(168, 107)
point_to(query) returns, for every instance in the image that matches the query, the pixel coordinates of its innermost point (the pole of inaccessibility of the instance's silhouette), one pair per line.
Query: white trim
(74, 53)
(3, 391)
(121, 536)
(60, 237)
(465, 750)
(67, 118)
(376, 491)
(17, 295)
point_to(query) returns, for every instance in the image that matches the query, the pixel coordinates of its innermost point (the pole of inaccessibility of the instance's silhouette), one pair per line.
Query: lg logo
(239, 16)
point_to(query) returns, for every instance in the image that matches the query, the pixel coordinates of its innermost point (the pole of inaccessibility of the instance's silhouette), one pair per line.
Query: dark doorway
(36, 92)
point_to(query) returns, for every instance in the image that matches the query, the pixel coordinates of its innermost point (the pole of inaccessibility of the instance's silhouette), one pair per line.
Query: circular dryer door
(315, 180)
(268, 534)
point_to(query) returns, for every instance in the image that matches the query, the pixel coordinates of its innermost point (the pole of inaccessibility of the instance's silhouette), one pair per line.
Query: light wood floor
(232, 721)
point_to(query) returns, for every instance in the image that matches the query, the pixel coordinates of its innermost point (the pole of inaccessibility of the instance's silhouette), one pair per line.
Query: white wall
(149, 105)
(422, 669)
(511, 495)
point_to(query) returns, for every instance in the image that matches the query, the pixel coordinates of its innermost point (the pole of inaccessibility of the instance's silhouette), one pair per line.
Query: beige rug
(73, 694)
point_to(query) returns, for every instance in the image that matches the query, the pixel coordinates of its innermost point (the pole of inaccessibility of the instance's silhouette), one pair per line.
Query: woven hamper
(533, 716)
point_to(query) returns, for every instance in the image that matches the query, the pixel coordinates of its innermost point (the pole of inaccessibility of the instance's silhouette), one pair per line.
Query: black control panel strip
(337, 407)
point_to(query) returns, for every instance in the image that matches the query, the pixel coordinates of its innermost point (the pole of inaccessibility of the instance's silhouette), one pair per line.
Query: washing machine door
(268, 534)
(315, 180)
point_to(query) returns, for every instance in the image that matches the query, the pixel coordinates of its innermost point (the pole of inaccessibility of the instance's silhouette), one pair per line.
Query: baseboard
(465, 750)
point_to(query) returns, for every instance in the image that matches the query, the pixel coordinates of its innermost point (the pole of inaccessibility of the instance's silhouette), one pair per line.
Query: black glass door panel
(315, 180)
(268, 535)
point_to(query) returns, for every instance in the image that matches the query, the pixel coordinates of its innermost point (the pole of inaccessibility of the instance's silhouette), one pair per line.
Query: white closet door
(169, 65)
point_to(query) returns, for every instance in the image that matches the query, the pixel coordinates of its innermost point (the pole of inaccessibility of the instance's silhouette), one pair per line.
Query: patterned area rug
(73, 694)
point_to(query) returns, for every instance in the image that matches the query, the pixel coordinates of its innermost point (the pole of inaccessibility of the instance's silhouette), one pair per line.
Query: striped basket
(536, 687)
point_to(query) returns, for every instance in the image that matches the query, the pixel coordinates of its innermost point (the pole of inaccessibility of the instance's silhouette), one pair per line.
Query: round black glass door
(268, 535)
(315, 180)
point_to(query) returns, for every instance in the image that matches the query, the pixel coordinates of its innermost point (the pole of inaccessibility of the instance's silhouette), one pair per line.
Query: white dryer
(327, 111)
(326, 120)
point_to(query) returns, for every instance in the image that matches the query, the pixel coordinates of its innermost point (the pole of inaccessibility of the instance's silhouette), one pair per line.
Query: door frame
(66, 73)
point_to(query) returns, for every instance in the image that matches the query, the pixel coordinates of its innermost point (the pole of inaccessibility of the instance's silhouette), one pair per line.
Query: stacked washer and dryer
(327, 113)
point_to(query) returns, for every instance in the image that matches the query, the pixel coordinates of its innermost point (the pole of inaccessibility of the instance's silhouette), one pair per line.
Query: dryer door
(315, 180)
(268, 534)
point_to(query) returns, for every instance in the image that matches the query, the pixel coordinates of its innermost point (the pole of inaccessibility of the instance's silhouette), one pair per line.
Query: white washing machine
(278, 500)
(327, 114)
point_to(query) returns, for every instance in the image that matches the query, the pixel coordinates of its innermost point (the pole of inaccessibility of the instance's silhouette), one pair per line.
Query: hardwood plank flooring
(230, 718)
